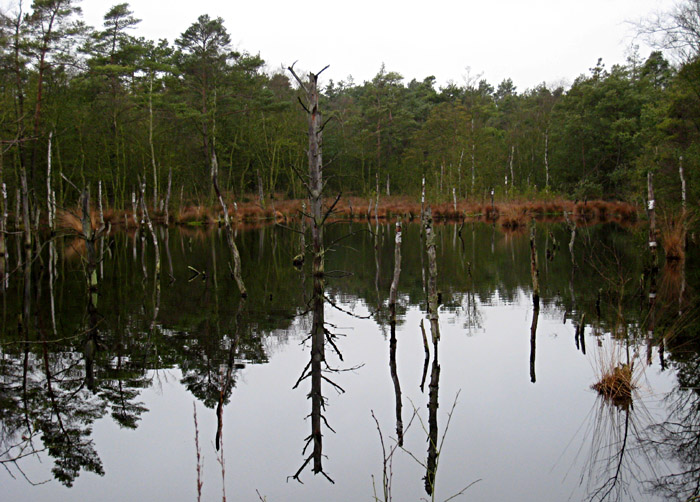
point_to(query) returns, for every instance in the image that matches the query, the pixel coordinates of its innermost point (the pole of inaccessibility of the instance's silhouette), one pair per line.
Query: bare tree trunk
(134, 208)
(651, 208)
(229, 231)
(397, 384)
(397, 272)
(51, 210)
(3, 227)
(442, 175)
(433, 300)
(150, 139)
(533, 342)
(261, 191)
(534, 269)
(18, 223)
(422, 205)
(26, 218)
(546, 158)
(376, 205)
(473, 159)
(100, 211)
(90, 345)
(392, 342)
(317, 216)
(166, 206)
(683, 192)
(572, 227)
(459, 172)
(149, 225)
(88, 235)
(433, 304)
(654, 264)
(512, 174)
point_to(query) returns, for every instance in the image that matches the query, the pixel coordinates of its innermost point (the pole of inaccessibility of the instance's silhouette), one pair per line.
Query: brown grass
(69, 220)
(616, 385)
(512, 215)
(514, 219)
(192, 214)
(673, 233)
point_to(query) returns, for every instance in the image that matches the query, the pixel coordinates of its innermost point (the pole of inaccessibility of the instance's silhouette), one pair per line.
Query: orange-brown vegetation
(673, 233)
(511, 215)
(70, 220)
(616, 385)
(193, 214)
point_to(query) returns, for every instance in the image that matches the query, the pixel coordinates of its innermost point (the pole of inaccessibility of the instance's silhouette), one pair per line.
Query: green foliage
(122, 107)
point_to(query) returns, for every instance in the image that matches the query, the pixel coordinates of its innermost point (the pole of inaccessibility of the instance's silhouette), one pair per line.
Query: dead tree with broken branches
(317, 217)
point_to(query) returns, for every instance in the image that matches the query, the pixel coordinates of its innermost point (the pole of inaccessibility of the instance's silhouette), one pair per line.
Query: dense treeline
(113, 107)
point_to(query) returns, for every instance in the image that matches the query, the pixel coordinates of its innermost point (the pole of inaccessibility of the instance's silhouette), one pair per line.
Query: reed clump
(69, 220)
(673, 235)
(513, 219)
(617, 384)
(193, 214)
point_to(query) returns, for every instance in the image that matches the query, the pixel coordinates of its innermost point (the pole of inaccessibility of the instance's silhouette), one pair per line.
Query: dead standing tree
(317, 218)
(392, 341)
(434, 386)
(227, 225)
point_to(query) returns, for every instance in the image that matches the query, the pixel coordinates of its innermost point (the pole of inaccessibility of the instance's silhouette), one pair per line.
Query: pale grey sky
(528, 41)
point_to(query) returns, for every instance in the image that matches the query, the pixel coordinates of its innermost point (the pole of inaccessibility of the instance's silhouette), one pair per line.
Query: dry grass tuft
(192, 214)
(617, 384)
(618, 373)
(673, 232)
(513, 219)
(69, 220)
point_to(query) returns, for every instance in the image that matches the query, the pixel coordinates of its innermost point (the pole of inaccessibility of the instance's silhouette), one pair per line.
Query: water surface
(102, 407)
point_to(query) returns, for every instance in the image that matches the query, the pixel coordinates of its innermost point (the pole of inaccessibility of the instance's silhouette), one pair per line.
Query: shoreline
(510, 214)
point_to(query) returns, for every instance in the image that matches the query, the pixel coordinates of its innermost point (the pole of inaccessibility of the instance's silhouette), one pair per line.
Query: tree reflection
(677, 439)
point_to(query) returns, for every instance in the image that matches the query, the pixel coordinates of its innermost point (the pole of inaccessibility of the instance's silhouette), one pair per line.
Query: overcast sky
(529, 41)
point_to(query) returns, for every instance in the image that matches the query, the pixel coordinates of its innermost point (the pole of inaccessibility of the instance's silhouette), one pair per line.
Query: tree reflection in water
(47, 406)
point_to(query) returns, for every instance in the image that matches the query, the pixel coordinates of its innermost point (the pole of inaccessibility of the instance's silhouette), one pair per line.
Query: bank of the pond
(510, 214)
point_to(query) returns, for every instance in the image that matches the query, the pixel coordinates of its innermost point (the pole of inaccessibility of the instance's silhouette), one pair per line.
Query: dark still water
(100, 405)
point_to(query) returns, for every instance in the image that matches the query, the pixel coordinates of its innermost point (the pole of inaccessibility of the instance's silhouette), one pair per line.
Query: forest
(102, 106)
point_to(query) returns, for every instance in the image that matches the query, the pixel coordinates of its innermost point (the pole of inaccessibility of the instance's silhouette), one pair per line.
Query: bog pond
(130, 401)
